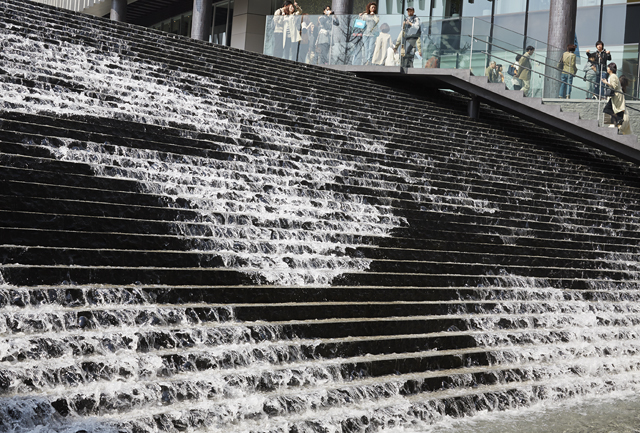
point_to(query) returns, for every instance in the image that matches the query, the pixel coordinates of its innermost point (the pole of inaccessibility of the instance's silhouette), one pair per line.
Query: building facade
(241, 23)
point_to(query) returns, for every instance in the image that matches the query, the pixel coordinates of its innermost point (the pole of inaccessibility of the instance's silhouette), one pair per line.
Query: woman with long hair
(616, 105)
(371, 31)
(286, 33)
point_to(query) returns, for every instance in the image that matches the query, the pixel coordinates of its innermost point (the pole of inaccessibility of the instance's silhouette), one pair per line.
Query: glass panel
(510, 14)
(219, 33)
(613, 20)
(586, 33)
(185, 26)
(477, 8)
(538, 26)
(438, 9)
(269, 36)
(364, 40)
(539, 5)
(388, 7)
(421, 6)
(632, 29)
(588, 3)
(446, 43)
(175, 26)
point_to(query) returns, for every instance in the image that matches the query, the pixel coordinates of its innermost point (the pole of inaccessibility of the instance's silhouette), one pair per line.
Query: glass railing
(423, 42)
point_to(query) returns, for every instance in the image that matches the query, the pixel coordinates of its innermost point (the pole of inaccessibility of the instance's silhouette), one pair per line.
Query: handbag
(359, 24)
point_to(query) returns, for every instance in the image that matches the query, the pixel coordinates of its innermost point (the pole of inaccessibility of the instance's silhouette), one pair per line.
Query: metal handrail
(555, 79)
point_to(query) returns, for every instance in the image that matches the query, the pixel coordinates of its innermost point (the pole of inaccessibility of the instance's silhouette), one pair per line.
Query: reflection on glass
(473, 8)
(539, 5)
(586, 31)
(538, 26)
(613, 24)
(510, 6)
(589, 3)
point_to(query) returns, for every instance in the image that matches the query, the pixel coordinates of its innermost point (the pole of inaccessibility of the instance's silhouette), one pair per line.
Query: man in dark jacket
(602, 59)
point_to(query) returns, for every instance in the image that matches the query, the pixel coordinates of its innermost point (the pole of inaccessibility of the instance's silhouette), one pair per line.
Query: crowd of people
(296, 36)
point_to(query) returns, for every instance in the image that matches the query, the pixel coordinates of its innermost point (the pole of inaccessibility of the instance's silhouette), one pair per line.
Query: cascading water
(109, 359)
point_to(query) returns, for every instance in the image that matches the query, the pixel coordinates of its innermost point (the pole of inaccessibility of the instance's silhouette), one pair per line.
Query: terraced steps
(196, 237)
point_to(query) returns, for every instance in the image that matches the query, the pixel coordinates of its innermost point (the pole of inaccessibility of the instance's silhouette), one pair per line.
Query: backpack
(512, 70)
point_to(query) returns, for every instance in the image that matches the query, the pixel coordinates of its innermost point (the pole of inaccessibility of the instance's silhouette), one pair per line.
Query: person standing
(371, 31)
(516, 82)
(292, 31)
(492, 73)
(591, 76)
(602, 57)
(411, 32)
(279, 20)
(569, 69)
(383, 43)
(524, 70)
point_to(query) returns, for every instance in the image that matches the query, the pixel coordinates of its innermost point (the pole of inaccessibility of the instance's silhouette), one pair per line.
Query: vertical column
(342, 7)
(249, 19)
(562, 31)
(201, 20)
(118, 10)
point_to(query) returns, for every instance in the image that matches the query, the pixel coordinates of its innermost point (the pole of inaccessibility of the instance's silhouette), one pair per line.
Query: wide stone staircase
(196, 238)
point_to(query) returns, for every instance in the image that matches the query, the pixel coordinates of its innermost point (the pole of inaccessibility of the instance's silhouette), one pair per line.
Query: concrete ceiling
(143, 11)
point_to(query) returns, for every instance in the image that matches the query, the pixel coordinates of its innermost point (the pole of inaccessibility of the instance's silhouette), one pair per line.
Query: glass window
(582, 3)
(510, 6)
(477, 8)
(221, 25)
(388, 7)
(539, 5)
(587, 21)
(538, 26)
(613, 24)
(438, 7)
(632, 29)
(510, 14)
(421, 6)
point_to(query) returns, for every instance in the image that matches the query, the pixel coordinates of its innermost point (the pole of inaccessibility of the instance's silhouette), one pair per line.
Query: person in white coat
(383, 43)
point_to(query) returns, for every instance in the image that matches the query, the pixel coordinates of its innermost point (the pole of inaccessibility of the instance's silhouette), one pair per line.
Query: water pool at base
(618, 414)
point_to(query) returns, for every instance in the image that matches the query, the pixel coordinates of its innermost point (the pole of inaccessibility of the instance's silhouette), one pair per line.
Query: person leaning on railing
(284, 32)
(371, 31)
(492, 73)
(568, 65)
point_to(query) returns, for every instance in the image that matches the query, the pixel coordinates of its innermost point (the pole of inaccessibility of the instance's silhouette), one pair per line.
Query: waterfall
(292, 203)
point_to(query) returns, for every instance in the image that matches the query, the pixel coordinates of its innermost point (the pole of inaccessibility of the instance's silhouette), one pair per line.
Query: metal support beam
(562, 32)
(474, 107)
(118, 10)
(201, 20)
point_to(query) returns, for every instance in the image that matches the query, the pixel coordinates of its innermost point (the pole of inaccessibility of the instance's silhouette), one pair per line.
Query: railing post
(473, 109)
(473, 32)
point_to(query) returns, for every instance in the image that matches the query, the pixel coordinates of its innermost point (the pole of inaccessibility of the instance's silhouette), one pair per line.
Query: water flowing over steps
(198, 237)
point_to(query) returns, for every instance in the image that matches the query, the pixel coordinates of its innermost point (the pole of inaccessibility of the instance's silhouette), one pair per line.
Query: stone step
(427, 264)
(82, 298)
(34, 275)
